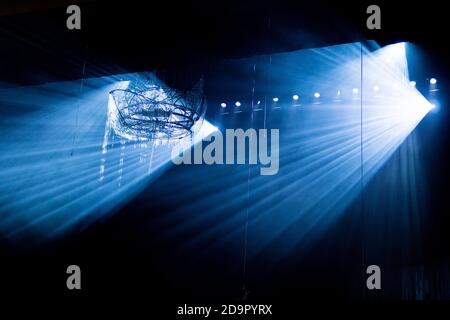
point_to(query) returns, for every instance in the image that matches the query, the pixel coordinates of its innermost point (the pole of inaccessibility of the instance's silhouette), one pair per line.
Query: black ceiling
(120, 37)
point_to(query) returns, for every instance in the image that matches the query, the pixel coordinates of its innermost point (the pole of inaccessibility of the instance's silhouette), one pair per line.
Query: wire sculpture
(153, 111)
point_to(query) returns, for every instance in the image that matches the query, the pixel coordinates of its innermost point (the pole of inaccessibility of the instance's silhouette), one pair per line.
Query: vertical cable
(244, 271)
(363, 249)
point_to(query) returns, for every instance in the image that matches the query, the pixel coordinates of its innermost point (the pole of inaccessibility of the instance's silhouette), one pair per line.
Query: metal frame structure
(153, 111)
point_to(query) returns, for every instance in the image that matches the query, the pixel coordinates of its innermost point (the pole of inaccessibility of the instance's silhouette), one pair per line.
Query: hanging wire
(244, 271)
(363, 248)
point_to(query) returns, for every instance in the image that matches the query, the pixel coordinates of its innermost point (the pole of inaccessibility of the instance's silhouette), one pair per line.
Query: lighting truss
(154, 111)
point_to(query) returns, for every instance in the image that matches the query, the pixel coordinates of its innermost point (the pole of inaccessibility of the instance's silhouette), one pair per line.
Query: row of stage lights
(316, 95)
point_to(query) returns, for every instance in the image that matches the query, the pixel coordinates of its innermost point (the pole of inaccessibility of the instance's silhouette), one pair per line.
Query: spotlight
(237, 104)
(355, 90)
(433, 81)
(223, 105)
(338, 93)
(295, 97)
(259, 102)
(275, 99)
(376, 88)
(412, 83)
(317, 94)
(434, 105)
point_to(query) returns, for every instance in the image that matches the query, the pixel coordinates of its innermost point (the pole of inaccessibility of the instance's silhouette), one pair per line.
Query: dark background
(127, 260)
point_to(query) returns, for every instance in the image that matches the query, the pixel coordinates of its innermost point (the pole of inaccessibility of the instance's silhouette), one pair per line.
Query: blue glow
(62, 166)
(321, 153)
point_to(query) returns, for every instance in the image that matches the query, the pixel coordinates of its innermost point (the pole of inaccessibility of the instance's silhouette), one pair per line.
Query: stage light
(433, 81)
(326, 167)
(295, 97)
(259, 102)
(355, 90)
(223, 105)
(324, 174)
(275, 99)
(376, 88)
(434, 105)
(412, 83)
